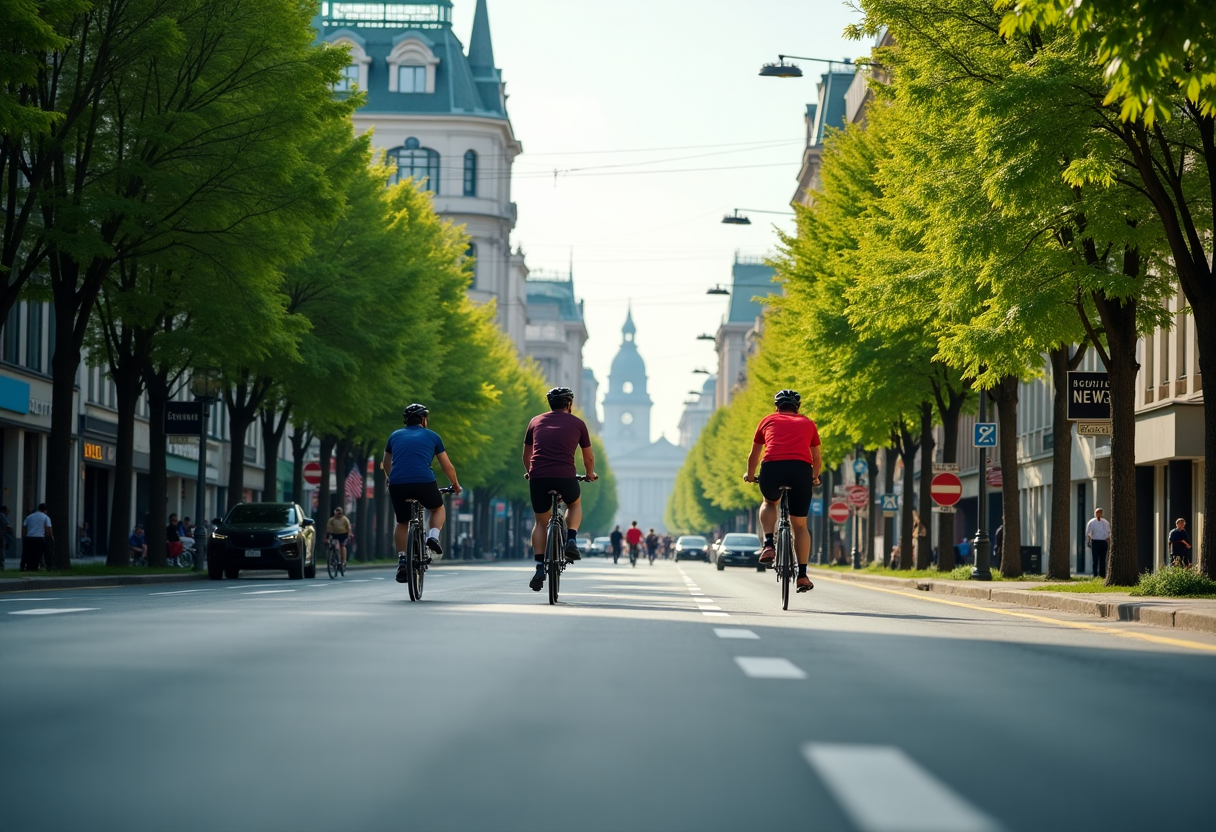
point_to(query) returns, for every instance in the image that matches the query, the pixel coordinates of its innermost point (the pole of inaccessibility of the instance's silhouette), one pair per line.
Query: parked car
(263, 536)
(691, 547)
(601, 546)
(738, 549)
(584, 544)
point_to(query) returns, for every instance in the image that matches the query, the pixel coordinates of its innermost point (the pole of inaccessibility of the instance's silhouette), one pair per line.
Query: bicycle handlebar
(448, 489)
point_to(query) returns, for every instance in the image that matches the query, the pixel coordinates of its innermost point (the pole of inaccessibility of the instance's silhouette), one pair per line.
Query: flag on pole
(354, 484)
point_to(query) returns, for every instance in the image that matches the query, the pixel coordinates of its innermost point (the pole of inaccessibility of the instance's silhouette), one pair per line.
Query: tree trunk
(890, 454)
(1006, 395)
(127, 386)
(949, 407)
(382, 530)
(872, 516)
(1059, 562)
(1119, 321)
(1205, 555)
(243, 400)
(157, 385)
(272, 436)
(327, 453)
(924, 543)
(60, 461)
(363, 509)
(907, 455)
(301, 438)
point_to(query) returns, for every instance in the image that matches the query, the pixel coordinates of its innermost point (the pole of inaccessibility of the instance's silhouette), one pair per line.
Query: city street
(672, 697)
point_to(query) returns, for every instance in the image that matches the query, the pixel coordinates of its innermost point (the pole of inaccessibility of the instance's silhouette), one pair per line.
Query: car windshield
(691, 540)
(741, 540)
(268, 513)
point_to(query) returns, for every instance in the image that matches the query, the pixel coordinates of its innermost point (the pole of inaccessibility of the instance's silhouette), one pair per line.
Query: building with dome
(439, 116)
(645, 471)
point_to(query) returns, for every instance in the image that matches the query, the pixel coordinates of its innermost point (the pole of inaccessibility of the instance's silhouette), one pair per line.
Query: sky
(655, 120)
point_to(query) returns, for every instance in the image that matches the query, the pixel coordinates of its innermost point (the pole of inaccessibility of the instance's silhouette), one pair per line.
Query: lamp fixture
(718, 289)
(783, 69)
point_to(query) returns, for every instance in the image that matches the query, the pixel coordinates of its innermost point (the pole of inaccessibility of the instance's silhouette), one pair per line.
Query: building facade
(555, 332)
(439, 116)
(735, 340)
(645, 471)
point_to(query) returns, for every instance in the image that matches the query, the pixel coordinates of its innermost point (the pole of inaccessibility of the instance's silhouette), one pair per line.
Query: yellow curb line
(1076, 625)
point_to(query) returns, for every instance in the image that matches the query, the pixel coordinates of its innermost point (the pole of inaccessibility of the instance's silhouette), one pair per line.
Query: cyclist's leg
(802, 539)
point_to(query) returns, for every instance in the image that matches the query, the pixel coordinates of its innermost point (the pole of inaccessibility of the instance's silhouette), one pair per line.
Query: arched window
(349, 79)
(416, 162)
(470, 173)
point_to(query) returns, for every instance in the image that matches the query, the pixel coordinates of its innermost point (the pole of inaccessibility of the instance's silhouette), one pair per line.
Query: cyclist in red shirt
(634, 538)
(790, 442)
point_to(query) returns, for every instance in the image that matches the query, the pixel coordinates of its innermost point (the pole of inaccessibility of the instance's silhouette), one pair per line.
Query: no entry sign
(839, 512)
(859, 495)
(946, 489)
(312, 473)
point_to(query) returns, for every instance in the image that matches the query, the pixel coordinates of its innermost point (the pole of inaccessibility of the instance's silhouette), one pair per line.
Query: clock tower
(626, 404)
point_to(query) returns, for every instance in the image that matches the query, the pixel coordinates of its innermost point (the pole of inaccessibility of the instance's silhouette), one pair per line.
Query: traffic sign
(839, 512)
(312, 473)
(946, 488)
(860, 467)
(817, 507)
(890, 502)
(1094, 429)
(939, 467)
(859, 495)
(943, 509)
(994, 477)
(985, 435)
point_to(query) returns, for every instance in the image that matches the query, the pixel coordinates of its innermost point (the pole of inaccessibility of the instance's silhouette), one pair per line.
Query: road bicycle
(415, 547)
(555, 543)
(785, 564)
(336, 566)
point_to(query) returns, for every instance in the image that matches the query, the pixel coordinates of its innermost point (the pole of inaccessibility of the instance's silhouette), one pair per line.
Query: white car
(601, 546)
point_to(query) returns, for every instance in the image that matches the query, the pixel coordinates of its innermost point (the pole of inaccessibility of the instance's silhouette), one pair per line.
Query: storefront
(97, 465)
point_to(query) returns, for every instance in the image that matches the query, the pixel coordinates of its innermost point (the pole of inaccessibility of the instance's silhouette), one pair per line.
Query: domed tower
(627, 404)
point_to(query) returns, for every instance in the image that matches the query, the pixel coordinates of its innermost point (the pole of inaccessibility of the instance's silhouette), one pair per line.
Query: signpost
(860, 467)
(1094, 429)
(838, 512)
(984, 436)
(946, 489)
(1088, 397)
(994, 477)
(312, 473)
(183, 418)
(890, 504)
(859, 495)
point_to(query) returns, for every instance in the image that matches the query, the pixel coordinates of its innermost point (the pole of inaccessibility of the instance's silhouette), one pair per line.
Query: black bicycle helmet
(560, 395)
(785, 398)
(415, 411)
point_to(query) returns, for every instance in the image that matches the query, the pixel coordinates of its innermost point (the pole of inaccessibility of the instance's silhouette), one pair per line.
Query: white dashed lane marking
(180, 592)
(52, 611)
(910, 800)
(764, 667)
(734, 632)
(268, 591)
(715, 614)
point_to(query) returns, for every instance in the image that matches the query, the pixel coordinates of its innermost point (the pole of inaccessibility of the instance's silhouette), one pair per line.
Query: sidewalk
(1177, 613)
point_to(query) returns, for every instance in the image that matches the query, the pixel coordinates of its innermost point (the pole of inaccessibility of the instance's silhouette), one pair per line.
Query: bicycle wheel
(332, 564)
(785, 559)
(409, 559)
(553, 560)
(419, 566)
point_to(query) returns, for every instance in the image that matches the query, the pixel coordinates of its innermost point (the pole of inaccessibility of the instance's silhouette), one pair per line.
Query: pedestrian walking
(1097, 538)
(6, 536)
(173, 541)
(38, 537)
(616, 537)
(1179, 542)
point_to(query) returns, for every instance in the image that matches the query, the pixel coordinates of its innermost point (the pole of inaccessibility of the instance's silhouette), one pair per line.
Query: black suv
(263, 536)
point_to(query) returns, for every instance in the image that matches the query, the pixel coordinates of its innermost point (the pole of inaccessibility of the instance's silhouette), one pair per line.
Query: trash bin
(1032, 560)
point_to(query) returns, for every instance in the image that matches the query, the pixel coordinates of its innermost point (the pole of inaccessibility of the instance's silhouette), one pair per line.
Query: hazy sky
(633, 93)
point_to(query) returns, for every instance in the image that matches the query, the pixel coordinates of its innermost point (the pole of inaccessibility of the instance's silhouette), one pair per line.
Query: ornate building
(440, 117)
(556, 332)
(645, 471)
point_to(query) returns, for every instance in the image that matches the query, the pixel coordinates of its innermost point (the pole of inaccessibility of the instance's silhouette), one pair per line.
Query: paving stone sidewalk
(1178, 613)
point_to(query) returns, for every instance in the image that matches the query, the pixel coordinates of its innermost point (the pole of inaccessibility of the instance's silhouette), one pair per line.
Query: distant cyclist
(790, 442)
(549, 447)
(337, 528)
(633, 536)
(407, 465)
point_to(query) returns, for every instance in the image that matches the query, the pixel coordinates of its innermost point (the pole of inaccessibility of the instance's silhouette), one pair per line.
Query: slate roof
(749, 281)
(559, 293)
(832, 114)
(461, 88)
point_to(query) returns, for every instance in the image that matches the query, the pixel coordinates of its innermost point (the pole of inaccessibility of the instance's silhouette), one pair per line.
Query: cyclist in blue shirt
(407, 465)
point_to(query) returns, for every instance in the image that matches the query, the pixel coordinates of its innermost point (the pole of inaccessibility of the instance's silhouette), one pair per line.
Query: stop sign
(859, 495)
(839, 512)
(312, 473)
(946, 488)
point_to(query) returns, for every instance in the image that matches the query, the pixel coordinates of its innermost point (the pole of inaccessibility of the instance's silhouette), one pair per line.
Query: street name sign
(944, 510)
(839, 512)
(985, 435)
(946, 488)
(940, 467)
(859, 495)
(1094, 429)
(184, 418)
(1088, 397)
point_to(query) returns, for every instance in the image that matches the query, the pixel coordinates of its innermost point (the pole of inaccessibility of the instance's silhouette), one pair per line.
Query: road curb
(33, 583)
(1157, 612)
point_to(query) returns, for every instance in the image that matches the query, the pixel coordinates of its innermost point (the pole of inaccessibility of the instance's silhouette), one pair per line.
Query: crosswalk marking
(734, 632)
(766, 667)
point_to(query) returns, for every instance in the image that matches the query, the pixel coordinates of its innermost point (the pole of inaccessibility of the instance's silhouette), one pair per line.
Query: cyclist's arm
(816, 460)
(448, 470)
(386, 464)
(589, 463)
(527, 460)
(753, 459)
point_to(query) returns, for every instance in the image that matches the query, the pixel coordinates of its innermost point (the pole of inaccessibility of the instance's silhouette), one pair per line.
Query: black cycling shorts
(540, 487)
(426, 493)
(340, 538)
(795, 473)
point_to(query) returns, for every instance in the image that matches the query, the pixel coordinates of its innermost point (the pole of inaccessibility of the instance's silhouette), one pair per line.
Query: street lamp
(718, 289)
(982, 571)
(705, 336)
(703, 371)
(781, 69)
(205, 385)
(741, 219)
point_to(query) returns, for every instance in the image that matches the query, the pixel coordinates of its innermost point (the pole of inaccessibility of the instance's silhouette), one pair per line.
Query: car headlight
(289, 537)
(217, 536)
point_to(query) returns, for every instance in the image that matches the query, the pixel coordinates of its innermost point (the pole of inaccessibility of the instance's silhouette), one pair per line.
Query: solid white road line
(765, 667)
(181, 591)
(715, 614)
(268, 591)
(704, 607)
(360, 581)
(37, 600)
(703, 600)
(52, 611)
(909, 799)
(734, 632)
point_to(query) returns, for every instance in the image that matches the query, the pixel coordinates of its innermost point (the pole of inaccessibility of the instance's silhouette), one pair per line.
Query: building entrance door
(97, 507)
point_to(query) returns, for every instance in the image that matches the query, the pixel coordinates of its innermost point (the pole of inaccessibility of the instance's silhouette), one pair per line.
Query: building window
(12, 334)
(470, 173)
(33, 337)
(349, 80)
(411, 79)
(416, 162)
(470, 254)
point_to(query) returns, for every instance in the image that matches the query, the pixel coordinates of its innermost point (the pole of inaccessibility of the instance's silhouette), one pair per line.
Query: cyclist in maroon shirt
(790, 442)
(549, 447)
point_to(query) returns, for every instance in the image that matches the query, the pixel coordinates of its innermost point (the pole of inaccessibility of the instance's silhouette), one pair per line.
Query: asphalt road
(672, 697)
